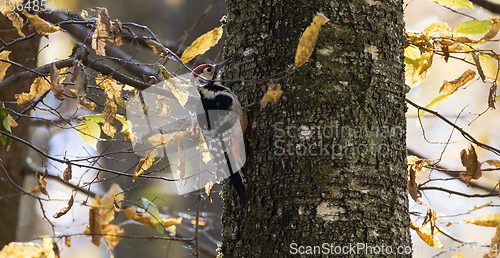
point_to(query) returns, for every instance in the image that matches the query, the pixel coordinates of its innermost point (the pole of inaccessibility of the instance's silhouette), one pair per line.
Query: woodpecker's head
(207, 71)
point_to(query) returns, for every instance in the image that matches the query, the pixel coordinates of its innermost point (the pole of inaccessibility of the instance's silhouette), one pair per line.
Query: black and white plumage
(222, 125)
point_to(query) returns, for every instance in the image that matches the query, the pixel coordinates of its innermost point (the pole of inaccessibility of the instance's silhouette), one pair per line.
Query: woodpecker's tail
(237, 180)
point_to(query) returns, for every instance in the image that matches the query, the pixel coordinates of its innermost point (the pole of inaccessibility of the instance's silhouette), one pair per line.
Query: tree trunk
(326, 164)
(24, 53)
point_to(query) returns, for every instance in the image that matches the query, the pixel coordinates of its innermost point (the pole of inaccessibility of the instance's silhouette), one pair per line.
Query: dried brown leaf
(156, 47)
(57, 88)
(67, 175)
(472, 165)
(493, 31)
(492, 95)
(493, 162)
(67, 241)
(65, 210)
(449, 87)
(431, 217)
(494, 244)
(475, 57)
(94, 228)
(102, 32)
(108, 116)
(412, 186)
(42, 184)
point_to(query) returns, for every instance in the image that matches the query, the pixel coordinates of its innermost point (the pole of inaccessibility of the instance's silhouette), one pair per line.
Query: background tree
(25, 53)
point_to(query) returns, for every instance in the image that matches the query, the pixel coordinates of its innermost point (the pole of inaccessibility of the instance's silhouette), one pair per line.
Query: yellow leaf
(174, 86)
(110, 86)
(113, 235)
(101, 213)
(167, 139)
(488, 220)
(414, 76)
(145, 163)
(202, 44)
(204, 149)
(145, 218)
(437, 27)
(39, 23)
(127, 130)
(88, 104)
(273, 93)
(106, 203)
(12, 122)
(3, 65)
(27, 249)
(449, 87)
(38, 87)
(308, 39)
(208, 190)
(90, 132)
(486, 67)
(17, 22)
(426, 236)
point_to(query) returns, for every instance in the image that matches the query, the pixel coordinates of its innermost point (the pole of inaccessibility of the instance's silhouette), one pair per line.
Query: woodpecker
(222, 124)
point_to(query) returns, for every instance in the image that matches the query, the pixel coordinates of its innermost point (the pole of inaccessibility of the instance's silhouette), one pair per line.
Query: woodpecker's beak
(220, 65)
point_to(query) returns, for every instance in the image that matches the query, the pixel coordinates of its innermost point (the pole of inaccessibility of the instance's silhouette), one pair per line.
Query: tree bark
(326, 164)
(24, 53)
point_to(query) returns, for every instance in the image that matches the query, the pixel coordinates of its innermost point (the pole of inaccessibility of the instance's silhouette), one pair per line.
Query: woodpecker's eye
(209, 69)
